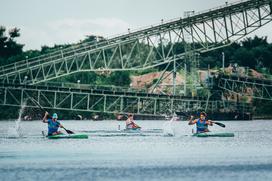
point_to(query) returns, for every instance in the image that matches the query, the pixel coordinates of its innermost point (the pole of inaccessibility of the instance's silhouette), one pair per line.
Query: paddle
(33, 100)
(136, 125)
(187, 115)
(219, 124)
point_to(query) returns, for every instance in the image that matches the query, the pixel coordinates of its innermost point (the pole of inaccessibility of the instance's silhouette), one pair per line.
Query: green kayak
(211, 134)
(68, 136)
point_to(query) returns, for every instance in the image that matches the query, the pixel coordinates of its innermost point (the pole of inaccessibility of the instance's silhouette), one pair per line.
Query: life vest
(53, 126)
(201, 126)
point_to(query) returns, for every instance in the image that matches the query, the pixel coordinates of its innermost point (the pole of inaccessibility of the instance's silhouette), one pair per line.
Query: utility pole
(174, 77)
(223, 62)
(185, 78)
(190, 54)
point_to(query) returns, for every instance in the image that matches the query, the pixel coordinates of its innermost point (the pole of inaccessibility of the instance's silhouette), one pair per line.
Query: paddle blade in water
(69, 131)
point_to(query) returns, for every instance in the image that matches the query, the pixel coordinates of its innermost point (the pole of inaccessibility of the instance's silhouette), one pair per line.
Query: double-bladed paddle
(36, 102)
(187, 115)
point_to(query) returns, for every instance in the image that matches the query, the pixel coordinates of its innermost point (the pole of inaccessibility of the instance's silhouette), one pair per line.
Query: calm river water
(109, 154)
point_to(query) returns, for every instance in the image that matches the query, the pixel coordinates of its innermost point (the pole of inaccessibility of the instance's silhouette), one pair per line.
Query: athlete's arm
(45, 120)
(60, 125)
(191, 121)
(209, 122)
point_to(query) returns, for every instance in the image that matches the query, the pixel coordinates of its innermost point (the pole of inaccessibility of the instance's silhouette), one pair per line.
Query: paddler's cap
(55, 116)
(203, 113)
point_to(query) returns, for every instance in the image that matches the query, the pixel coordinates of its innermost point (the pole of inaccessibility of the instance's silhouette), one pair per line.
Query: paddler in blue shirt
(130, 124)
(201, 124)
(53, 124)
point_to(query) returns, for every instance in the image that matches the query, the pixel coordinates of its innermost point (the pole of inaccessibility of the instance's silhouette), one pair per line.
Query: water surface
(110, 154)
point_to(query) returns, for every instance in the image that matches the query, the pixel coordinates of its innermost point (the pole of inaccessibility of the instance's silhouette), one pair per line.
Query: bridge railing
(88, 87)
(249, 78)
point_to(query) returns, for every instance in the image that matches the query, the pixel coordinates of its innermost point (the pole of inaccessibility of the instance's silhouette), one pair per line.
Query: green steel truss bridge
(137, 50)
(95, 100)
(246, 86)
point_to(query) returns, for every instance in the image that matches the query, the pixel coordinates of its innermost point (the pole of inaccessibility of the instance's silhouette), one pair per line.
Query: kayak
(132, 130)
(211, 134)
(68, 136)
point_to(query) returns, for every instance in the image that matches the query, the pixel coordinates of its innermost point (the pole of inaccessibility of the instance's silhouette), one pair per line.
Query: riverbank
(262, 117)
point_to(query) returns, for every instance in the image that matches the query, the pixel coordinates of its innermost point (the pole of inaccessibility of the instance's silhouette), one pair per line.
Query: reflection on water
(110, 154)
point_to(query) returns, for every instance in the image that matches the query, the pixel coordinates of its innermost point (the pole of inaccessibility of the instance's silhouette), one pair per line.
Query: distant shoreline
(263, 117)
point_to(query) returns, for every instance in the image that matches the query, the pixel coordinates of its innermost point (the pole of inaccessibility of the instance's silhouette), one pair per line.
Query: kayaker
(201, 124)
(53, 124)
(130, 124)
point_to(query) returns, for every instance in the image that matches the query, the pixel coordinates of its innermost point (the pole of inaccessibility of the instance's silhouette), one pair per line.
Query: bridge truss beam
(148, 47)
(93, 101)
(258, 89)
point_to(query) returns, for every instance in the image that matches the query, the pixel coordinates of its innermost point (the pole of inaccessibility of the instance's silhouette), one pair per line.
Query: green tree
(120, 78)
(9, 48)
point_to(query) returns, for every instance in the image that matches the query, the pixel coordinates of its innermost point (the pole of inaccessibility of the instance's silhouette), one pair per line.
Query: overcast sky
(49, 22)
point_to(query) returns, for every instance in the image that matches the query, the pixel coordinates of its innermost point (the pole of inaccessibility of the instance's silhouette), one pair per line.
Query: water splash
(16, 131)
(169, 127)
